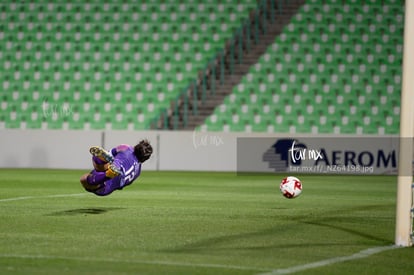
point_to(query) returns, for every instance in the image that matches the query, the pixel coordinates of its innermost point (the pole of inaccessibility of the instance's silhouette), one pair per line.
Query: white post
(405, 170)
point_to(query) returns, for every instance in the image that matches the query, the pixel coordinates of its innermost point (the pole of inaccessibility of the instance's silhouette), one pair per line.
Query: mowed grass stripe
(135, 261)
(224, 220)
(42, 197)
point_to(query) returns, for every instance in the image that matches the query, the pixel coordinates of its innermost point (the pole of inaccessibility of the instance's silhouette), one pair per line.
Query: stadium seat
(86, 51)
(349, 66)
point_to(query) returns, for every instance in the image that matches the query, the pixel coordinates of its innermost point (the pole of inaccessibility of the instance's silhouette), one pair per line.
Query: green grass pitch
(198, 223)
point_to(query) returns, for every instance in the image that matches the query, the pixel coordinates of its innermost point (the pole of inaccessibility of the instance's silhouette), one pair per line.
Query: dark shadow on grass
(237, 241)
(351, 231)
(332, 220)
(85, 211)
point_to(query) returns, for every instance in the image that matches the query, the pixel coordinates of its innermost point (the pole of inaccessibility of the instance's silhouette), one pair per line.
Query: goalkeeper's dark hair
(143, 150)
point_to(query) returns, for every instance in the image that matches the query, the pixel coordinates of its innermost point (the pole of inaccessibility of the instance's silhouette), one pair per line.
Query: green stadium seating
(81, 53)
(335, 68)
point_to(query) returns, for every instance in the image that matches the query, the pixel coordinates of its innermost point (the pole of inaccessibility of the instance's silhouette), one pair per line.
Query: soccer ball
(291, 187)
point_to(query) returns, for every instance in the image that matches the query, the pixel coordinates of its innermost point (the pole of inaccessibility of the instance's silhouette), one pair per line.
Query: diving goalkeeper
(115, 169)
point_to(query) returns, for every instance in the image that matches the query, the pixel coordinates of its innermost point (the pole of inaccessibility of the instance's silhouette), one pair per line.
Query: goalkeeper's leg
(101, 154)
(104, 170)
(94, 180)
(103, 161)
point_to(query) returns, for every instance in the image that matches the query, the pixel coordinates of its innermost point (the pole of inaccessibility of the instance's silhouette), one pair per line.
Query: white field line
(166, 263)
(42, 197)
(289, 270)
(361, 254)
(115, 260)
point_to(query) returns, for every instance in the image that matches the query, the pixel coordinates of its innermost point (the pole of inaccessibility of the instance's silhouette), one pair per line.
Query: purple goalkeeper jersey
(130, 166)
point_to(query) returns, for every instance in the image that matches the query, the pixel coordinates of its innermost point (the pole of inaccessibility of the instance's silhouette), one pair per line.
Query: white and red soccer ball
(291, 187)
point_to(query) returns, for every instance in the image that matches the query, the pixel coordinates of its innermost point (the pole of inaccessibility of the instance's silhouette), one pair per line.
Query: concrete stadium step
(207, 107)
